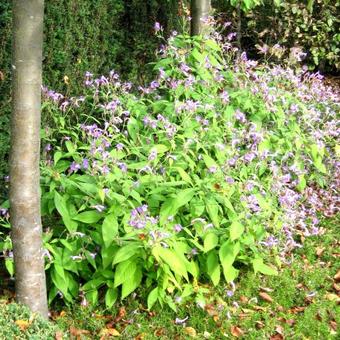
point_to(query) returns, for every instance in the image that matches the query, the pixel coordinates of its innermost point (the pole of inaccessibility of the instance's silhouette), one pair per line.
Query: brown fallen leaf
(259, 308)
(190, 331)
(78, 332)
(62, 314)
(279, 329)
(58, 335)
(336, 287)
(289, 322)
(333, 325)
(236, 331)
(332, 297)
(297, 309)
(159, 332)
(211, 310)
(319, 251)
(22, 324)
(108, 332)
(337, 276)
(259, 324)
(264, 296)
(243, 299)
(121, 315)
(276, 336)
(140, 336)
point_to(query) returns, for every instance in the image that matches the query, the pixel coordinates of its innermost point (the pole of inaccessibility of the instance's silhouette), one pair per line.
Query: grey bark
(30, 282)
(200, 10)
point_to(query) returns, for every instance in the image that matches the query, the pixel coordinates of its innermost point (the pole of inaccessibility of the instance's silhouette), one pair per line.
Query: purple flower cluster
(140, 218)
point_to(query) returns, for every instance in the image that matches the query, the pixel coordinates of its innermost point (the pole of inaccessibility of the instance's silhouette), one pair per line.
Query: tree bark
(30, 282)
(199, 13)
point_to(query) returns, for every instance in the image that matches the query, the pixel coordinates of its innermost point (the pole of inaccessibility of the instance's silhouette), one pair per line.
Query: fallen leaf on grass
(259, 308)
(276, 336)
(58, 335)
(333, 325)
(259, 324)
(319, 251)
(332, 297)
(78, 332)
(206, 335)
(108, 332)
(140, 336)
(190, 331)
(236, 331)
(243, 299)
(336, 287)
(266, 297)
(121, 315)
(159, 332)
(337, 276)
(279, 329)
(296, 310)
(22, 324)
(266, 289)
(289, 322)
(211, 310)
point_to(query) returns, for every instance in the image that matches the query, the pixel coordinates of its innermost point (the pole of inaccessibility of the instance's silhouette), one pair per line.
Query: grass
(300, 303)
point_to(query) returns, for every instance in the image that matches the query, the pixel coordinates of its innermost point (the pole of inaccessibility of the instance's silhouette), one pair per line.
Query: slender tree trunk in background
(199, 13)
(30, 283)
(239, 28)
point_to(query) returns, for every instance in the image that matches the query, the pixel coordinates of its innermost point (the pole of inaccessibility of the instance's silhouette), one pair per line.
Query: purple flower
(177, 228)
(85, 163)
(74, 167)
(240, 116)
(157, 27)
(152, 155)
(212, 169)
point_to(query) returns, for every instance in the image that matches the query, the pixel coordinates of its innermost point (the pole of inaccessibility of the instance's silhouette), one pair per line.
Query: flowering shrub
(213, 166)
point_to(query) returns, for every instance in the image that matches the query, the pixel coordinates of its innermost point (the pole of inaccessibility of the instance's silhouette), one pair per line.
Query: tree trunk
(199, 13)
(30, 282)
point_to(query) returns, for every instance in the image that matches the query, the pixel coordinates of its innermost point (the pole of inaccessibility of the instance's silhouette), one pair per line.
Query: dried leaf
(22, 324)
(296, 310)
(159, 332)
(259, 308)
(190, 331)
(332, 297)
(259, 324)
(206, 335)
(62, 314)
(78, 332)
(106, 332)
(236, 331)
(243, 299)
(211, 310)
(140, 336)
(266, 289)
(336, 287)
(59, 335)
(279, 329)
(319, 251)
(266, 297)
(276, 337)
(337, 276)
(333, 325)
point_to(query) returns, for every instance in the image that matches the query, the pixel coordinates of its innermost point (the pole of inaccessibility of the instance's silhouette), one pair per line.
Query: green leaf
(260, 267)
(124, 272)
(88, 217)
(171, 205)
(213, 268)
(236, 230)
(61, 206)
(130, 285)
(109, 229)
(9, 266)
(227, 254)
(152, 297)
(209, 162)
(212, 209)
(210, 241)
(174, 261)
(111, 297)
(126, 252)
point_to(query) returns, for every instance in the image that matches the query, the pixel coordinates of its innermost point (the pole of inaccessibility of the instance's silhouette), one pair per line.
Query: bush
(16, 322)
(209, 168)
